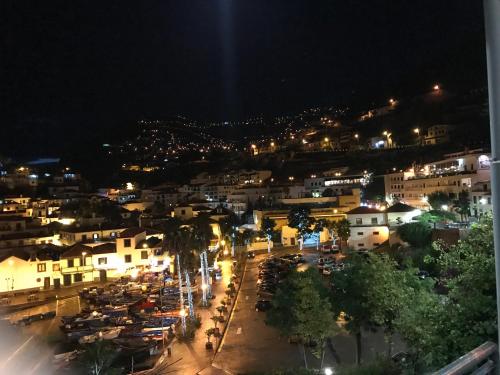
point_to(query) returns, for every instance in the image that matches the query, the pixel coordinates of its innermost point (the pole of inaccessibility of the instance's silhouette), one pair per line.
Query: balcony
(77, 269)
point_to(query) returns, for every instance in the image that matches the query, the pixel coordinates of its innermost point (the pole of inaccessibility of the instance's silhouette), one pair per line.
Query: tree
(98, 358)
(179, 239)
(415, 234)
(301, 308)
(436, 216)
(370, 292)
(202, 232)
(229, 230)
(343, 230)
(299, 218)
(440, 329)
(438, 199)
(462, 205)
(318, 228)
(267, 228)
(468, 269)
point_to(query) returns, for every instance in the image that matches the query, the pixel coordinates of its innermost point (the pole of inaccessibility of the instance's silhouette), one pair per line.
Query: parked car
(262, 305)
(250, 255)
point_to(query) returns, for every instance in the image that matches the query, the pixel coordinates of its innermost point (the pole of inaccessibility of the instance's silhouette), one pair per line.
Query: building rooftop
(400, 207)
(131, 232)
(363, 210)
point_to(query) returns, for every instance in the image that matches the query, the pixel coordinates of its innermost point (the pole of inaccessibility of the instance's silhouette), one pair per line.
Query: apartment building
(457, 172)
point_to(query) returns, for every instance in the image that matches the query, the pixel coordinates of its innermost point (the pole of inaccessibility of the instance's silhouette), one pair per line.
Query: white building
(480, 200)
(369, 228)
(456, 173)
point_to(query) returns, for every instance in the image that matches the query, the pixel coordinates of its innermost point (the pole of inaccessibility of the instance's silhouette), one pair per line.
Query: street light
(326, 139)
(356, 136)
(328, 371)
(416, 131)
(272, 144)
(436, 87)
(392, 101)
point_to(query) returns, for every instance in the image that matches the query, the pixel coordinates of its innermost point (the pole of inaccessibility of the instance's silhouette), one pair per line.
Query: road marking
(17, 351)
(238, 331)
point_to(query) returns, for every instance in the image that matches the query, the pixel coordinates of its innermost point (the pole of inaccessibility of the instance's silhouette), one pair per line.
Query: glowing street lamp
(416, 131)
(436, 87)
(392, 101)
(272, 144)
(326, 139)
(356, 136)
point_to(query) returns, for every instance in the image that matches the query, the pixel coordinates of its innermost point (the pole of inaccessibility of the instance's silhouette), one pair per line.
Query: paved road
(251, 345)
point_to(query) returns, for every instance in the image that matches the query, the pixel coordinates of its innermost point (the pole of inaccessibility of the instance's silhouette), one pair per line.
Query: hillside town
(250, 188)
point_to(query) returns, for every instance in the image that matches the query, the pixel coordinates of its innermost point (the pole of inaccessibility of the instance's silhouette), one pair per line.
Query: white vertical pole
(181, 295)
(492, 30)
(203, 289)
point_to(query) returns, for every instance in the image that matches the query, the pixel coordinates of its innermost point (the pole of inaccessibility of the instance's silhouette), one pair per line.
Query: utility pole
(492, 31)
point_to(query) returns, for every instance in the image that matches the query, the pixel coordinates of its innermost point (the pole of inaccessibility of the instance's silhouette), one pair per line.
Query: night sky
(93, 66)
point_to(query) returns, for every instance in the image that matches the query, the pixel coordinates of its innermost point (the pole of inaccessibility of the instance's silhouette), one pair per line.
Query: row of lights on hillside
(435, 88)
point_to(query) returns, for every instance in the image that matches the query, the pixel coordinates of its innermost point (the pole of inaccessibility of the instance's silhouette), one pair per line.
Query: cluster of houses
(43, 246)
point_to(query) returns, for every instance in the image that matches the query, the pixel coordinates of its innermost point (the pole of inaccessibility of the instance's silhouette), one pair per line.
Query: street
(251, 345)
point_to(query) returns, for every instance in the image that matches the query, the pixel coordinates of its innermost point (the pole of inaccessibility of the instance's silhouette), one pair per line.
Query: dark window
(359, 221)
(102, 260)
(144, 254)
(376, 233)
(376, 244)
(78, 277)
(374, 220)
(126, 242)
(84, 237)
(489, 200)
(360, 233)
(71, 262)
(474, 199)
(128, 258)
(361, 244)
(160, 262)
(41, 267)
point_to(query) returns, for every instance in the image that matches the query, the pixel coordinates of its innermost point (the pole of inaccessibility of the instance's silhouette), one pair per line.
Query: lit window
(41, 267)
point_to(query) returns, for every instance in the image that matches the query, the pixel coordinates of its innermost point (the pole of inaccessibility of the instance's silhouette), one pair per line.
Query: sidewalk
(20, 301)
(191, 357)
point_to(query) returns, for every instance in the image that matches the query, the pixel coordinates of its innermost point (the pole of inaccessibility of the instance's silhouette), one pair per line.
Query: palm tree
(229, 230)
(202, 232)
(343, 229)
(462, 205)
(267, 228)
(319, 225)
